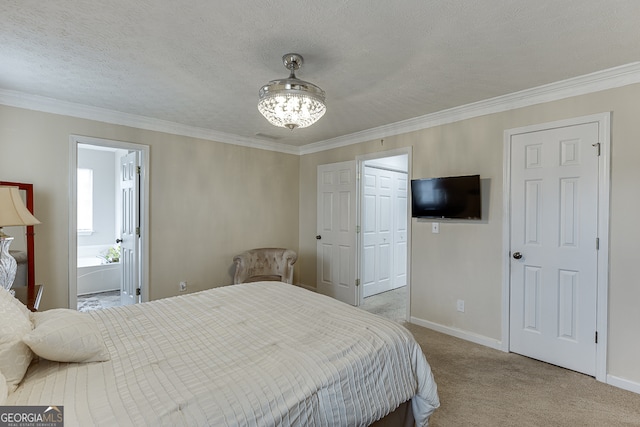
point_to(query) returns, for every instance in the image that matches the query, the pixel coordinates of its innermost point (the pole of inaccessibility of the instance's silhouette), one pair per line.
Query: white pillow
(64, 335)
(4, 390)
(15, 356)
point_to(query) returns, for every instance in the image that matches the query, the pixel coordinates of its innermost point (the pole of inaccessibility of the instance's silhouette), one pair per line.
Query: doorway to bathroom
(109, 210)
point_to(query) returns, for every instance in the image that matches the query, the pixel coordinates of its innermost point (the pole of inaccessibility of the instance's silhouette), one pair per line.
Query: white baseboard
(623, 384)
(459, 333)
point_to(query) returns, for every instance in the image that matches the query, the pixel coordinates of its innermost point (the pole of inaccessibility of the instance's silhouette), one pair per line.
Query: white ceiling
(200, 63)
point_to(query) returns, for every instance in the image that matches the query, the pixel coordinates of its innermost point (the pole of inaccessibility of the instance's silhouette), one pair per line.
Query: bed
(256, 354)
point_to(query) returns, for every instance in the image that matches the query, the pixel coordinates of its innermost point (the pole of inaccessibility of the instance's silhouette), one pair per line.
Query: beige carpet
(479, 386)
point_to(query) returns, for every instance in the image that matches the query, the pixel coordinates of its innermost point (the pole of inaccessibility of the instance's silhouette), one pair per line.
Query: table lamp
(13, 212)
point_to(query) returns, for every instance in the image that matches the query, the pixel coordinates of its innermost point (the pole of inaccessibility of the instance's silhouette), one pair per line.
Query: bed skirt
(401, 417)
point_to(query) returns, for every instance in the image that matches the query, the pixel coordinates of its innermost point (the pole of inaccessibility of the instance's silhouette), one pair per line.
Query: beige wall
(464, 260)
(209, 201)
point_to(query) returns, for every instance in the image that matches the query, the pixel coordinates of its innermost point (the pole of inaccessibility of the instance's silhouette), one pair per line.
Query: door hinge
(597, 243)
(597, 146)
(138, 170)
(596, 337)
(138, 292)
(357, 229)
(138, 231)
(357, 282)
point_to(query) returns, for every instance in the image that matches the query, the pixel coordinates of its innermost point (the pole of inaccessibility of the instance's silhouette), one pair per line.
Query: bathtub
(94, 274)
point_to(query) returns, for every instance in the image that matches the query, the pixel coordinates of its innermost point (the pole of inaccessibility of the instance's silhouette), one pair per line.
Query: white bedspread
(258, 354)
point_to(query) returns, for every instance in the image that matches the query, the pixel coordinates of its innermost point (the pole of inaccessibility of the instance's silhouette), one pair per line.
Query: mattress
(256, 354)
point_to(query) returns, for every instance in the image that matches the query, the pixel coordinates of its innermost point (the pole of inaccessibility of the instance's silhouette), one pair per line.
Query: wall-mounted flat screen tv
(456, 197)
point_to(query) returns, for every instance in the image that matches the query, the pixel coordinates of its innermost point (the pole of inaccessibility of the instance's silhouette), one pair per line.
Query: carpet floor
(480, 386)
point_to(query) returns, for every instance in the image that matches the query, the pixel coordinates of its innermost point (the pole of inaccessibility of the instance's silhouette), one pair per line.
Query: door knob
(517, 255)
(118, 240)
(318, 237)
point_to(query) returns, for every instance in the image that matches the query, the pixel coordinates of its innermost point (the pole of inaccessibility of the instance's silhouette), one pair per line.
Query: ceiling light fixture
(290, 102)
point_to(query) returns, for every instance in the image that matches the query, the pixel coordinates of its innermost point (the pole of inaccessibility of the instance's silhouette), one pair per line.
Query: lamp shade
(12, 209)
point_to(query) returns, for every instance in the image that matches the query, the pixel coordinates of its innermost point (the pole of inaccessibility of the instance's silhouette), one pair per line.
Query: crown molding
(594, 82)
(55, 106)
(588, 83)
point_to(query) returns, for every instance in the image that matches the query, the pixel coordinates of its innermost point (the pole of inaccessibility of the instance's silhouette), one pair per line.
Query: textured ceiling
(200, 63)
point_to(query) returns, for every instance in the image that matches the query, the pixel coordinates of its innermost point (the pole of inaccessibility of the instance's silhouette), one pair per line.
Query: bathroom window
(85, 201)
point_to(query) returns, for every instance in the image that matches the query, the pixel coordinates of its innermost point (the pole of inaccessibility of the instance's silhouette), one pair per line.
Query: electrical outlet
(435, 227)
(183, 286)
(460, 305)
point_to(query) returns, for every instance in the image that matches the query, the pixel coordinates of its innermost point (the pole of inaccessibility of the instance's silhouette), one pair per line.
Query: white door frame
(359, 202)
(604, 177)
(74, 140)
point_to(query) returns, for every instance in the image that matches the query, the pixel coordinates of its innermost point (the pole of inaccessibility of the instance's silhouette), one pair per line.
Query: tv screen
(455, 197)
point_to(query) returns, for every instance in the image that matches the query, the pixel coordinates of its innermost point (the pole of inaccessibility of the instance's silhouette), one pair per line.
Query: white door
(377, 230)
(400, 189)
(553, 278)
(384, 230)
(129, 229)
(336, 231)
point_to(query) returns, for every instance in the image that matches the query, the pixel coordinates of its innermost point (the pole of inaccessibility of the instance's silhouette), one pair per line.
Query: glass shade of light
(291, 109)
(13, 212)
(291, 102)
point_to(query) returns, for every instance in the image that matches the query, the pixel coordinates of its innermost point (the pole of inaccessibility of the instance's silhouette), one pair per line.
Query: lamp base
(8, 265)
